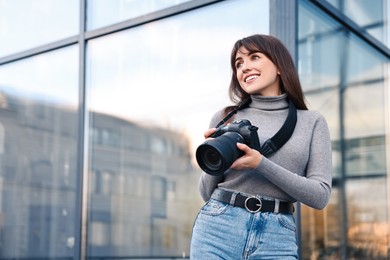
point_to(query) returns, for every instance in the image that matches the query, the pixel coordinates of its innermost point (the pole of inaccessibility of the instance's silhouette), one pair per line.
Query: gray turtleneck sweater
(299, 171)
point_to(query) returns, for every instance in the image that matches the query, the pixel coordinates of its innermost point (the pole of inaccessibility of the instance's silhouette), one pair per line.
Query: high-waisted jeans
(222, 231)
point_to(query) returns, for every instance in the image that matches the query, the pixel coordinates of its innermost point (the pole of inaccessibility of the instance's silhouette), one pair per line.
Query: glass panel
(366, 144)
(106, 12)
(346, 84)
(319, 71)
(321, 230)
(28, 24)
(364, 102)
(317, 66)
(152, 91)
(368, 226)
(38, 155)
(371, 16)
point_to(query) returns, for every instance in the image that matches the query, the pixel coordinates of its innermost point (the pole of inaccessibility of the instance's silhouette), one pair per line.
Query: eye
(238, 64)
(255, 57)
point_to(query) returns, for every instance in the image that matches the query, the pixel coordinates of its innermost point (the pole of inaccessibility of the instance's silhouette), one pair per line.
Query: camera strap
(281, 137)
(231, 113)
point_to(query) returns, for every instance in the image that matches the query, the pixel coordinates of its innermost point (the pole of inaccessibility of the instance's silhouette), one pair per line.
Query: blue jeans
(222, 231)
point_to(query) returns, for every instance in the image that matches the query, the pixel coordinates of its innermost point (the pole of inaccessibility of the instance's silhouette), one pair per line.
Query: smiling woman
(102, 104)
(256, 194)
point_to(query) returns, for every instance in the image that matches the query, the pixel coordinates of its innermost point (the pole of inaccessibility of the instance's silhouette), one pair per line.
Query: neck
(269, 102)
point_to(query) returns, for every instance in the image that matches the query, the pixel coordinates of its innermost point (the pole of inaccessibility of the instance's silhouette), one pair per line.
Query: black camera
(216, 155)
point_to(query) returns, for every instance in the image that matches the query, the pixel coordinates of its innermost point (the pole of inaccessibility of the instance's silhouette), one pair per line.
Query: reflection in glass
(38, 155)
(371, 16)
(365, 127)
(321, 230)
(319, 69)
(364, 97)
(106, 12)
(28, 24)
(346, 83)
(151, 92)
(368, 226)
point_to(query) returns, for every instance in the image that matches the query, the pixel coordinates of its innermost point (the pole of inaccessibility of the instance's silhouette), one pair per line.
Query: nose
(245, 67)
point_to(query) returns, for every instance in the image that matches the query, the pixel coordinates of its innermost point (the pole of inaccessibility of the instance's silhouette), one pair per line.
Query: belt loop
(233, 198)
(276, 208)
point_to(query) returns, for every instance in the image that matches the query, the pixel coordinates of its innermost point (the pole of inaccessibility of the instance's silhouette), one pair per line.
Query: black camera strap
(231, 113)
(280, 138)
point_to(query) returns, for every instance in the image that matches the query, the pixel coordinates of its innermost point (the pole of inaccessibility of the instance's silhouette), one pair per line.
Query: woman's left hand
(250, 160)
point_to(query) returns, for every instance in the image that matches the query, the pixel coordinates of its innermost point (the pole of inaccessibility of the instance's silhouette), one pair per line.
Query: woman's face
(256, 73)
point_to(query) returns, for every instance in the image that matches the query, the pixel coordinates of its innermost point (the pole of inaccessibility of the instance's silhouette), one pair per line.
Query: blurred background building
(103, 103)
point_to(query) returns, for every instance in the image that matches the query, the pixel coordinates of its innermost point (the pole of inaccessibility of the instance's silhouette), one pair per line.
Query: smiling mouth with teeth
(251, 77)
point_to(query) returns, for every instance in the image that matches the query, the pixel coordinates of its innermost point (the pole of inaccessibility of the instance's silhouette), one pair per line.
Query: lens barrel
(216, 155)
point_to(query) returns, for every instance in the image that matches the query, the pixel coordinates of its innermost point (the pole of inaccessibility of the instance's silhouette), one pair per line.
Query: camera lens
(216, 155)
(211, 158)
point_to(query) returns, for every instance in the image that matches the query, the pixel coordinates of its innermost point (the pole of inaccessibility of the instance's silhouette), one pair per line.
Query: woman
(249, 208)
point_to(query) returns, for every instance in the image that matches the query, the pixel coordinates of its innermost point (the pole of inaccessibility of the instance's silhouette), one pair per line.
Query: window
(39, 160)
(158, 85)
(344, 78)
(28, 24)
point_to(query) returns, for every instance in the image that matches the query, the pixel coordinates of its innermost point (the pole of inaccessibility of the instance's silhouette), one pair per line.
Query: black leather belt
(253, 204)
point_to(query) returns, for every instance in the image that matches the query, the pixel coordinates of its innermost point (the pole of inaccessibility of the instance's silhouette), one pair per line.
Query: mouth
(251, 78)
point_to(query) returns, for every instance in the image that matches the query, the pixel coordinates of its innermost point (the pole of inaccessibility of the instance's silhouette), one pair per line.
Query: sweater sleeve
(314, 187)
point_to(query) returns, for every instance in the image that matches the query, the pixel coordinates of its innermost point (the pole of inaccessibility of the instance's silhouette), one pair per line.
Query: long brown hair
(274, 49)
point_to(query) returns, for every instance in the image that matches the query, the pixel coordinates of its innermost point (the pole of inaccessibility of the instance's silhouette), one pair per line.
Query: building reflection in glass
(139, 196)
(38, 155)
(38, 158)
(371, 16)
(344, 78)
(143, 195)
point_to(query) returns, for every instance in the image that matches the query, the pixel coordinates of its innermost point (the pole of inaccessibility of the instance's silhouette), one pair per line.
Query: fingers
(243, 147)
(209, 132)
(249, 160)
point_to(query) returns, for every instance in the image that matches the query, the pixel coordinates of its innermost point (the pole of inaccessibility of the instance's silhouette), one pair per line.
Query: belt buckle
(257, 204)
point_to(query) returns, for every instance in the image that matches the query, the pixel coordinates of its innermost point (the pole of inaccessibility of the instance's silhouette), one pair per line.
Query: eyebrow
(238, 58)
(249, 53)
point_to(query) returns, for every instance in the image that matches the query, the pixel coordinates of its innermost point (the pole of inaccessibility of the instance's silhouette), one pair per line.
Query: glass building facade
(103, 103)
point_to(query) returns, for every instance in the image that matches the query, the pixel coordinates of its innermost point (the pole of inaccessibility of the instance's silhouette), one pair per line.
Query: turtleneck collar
(269, 102)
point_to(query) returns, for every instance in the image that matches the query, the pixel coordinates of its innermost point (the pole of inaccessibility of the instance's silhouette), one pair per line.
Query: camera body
(216, 155)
